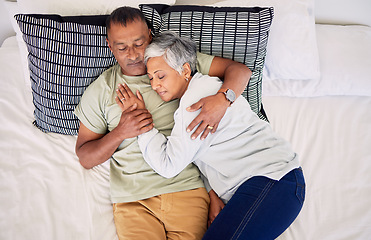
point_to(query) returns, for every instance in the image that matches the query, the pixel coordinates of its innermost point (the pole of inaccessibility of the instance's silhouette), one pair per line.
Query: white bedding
(332, 136)
(46, 194)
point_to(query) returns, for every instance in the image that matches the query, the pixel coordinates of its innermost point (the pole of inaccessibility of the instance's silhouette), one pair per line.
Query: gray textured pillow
(240, 34)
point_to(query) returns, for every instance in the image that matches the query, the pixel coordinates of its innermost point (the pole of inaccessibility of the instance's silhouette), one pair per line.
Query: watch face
(230, 95)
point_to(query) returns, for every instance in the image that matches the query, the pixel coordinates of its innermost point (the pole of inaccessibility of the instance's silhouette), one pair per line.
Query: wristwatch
(229, 94)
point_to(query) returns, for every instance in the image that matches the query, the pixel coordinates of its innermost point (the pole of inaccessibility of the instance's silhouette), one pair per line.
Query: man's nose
(132, 54)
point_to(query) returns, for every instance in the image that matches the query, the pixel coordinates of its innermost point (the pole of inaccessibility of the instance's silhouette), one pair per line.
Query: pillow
(345, 59)
(79, 7)
(292, 51)
(240, 34)
(69, 8)
(356, 12)
(13, 9)
(65, 55)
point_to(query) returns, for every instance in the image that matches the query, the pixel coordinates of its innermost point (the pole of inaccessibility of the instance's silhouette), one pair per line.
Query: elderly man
(146, 205)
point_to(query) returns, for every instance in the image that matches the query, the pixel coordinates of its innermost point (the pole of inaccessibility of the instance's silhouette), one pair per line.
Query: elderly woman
(252, 170)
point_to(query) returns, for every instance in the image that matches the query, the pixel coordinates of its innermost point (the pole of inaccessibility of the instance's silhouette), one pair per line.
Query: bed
(319, 100)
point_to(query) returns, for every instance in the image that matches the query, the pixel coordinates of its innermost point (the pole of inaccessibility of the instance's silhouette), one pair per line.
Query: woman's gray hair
(175, 50)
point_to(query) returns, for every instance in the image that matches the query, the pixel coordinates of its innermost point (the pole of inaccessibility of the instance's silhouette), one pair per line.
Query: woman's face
(166, 81)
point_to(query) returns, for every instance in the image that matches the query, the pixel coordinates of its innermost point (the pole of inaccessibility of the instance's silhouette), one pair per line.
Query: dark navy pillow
(65, 54)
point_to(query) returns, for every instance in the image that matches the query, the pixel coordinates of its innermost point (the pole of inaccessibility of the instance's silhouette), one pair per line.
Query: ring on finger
(210, 127)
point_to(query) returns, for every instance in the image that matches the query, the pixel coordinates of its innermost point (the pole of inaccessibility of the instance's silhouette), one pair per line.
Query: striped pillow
(65, 55)
(240, 34)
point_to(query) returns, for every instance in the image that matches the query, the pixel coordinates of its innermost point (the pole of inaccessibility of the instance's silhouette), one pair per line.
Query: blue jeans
(261, 208)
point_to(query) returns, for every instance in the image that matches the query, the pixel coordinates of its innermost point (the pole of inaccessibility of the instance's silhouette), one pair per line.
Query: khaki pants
(180, 215)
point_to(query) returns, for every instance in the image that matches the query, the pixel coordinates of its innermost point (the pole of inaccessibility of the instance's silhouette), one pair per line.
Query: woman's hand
(213, 109)
(126, 98)
(216, 205)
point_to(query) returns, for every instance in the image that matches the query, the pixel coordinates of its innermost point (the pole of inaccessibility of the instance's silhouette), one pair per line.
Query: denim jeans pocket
(300, 185)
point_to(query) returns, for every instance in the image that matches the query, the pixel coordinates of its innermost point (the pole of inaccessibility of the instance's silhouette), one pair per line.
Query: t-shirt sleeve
(90, 110)
(204, 63)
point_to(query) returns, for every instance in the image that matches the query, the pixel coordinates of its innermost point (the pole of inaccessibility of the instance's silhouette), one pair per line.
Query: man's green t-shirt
(131, 178)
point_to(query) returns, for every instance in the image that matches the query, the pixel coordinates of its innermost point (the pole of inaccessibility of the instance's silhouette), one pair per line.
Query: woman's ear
(187, 70)
(150, 36)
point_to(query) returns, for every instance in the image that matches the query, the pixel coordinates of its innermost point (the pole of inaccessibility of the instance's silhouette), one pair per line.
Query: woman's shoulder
(206, 83)
(200, 86)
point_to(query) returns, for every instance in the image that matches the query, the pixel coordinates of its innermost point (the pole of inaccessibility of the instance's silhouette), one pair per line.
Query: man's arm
(236, 77)
(216, 205)
(94, 149)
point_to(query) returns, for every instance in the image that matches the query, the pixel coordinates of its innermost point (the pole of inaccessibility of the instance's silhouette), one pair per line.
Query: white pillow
(80, 7)
(345, 61)
(13, 9)
(292, 51)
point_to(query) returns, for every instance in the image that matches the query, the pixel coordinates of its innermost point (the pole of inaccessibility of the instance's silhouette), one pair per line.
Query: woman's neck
(186, 86)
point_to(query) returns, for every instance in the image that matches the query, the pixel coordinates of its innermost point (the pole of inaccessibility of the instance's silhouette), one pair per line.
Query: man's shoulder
(204, 62)
(106, 78)
(109, 74)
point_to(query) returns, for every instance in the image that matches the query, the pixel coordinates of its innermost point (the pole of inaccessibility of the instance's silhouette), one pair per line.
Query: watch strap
(224, 90)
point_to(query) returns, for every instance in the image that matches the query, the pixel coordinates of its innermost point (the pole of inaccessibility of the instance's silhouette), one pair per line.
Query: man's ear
(109, 45)
(187, 70)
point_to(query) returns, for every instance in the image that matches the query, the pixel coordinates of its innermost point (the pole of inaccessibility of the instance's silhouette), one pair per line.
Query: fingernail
(193, 138)
(202, 138)
(188, 130)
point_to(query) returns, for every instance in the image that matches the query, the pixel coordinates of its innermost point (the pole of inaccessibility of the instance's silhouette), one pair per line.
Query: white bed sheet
(45, 193)
(332, 136)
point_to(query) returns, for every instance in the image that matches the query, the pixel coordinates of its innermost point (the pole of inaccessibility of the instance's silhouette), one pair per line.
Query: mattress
(47, 194)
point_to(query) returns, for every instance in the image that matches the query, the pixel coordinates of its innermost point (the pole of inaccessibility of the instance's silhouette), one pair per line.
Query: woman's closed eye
(158, 76)
(150, 77)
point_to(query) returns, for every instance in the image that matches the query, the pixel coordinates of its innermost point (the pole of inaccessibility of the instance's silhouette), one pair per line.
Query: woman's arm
(236, 77)
(168, 156)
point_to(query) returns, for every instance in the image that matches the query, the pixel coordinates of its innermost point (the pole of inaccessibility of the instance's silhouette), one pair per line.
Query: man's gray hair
(175, 50)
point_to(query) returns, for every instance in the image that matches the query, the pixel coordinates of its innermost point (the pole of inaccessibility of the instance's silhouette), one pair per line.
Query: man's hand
(213, 109)
(126, 98)
(134, 122)
(216, 205)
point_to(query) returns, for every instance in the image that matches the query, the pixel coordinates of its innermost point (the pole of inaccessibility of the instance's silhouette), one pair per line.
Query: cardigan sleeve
(168, 156)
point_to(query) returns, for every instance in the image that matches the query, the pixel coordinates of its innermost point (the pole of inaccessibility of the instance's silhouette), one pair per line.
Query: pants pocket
(300, 185)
